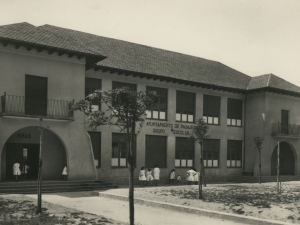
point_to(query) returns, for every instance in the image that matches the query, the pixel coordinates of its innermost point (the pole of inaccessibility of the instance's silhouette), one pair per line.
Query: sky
(255, 37)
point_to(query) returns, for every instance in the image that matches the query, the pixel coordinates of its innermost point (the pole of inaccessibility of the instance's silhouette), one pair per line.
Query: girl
(156, 172)
(65, 172)
(172, 176)
(16, 170)
(149, 176)
(190, 176)
(196, 177)
(178, 179)
(142, 176)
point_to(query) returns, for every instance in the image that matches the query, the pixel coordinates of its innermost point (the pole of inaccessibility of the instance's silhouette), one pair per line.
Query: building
(44, 69)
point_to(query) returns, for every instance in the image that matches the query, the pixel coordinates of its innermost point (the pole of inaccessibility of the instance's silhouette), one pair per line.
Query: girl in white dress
(16, 170)
(142, 176)
(65, 172)
(172, 177)
(196, 177)
(190, 176)
(156, 172)
(149, 176)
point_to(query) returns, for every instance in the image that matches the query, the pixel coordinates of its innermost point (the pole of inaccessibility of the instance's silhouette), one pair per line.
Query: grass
(23, 212)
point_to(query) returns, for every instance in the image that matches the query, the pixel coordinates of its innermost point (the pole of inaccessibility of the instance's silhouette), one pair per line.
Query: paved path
(118, 210)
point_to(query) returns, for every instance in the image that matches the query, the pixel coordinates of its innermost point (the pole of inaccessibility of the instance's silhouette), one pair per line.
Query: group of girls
(192, 176)
(145, 177)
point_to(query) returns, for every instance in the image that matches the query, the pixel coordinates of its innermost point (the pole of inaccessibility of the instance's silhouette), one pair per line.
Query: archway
(286, 157)
(23, 147)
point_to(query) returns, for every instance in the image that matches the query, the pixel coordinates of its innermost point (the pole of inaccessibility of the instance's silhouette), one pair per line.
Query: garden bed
(257, 200)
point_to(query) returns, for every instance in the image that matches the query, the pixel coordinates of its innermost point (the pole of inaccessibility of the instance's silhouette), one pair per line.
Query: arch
(287, 159)
(23, 146)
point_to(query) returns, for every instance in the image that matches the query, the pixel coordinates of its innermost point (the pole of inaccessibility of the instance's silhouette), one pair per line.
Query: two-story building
(45, 69)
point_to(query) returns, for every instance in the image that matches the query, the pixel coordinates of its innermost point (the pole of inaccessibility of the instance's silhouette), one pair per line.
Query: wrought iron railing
(12, 105)
(285, 130)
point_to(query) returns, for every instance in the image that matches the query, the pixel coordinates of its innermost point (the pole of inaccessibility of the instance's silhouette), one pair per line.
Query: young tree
(258, 145)
(126, 110)
(199, 132)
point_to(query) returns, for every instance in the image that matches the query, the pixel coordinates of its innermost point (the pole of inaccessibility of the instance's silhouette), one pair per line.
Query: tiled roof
(123, 55)
(272, 81)
(27, 33)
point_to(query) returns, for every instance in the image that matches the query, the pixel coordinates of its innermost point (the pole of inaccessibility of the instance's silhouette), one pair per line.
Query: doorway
(22, 153)
(286, 158)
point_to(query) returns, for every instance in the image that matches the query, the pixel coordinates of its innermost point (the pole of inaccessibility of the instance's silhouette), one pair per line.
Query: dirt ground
(258, 200)
(21, 210)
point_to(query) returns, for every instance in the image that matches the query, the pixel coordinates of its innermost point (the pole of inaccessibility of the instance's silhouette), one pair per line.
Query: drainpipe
(245, 110)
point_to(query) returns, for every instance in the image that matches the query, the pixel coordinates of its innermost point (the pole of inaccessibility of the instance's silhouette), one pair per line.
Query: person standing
(65, 172)
(25, 170)
(16, 170)
(156, 172)
(149, 177)
(172, 176)
(190, 176)
(142, 176)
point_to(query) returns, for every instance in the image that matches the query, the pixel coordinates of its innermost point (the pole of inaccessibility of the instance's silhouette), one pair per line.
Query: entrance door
(14, 154)
(32, 160)
(284, 121)
(35, 95)
(287, 160)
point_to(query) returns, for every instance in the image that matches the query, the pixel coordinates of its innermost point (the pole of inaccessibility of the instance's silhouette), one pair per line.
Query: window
(36, 95)
(211, 149)
(284, 121)
(156, 151)
(119, 150)
(234, 112)
(211, 109)
(159, 109)
(118, 85)
(92, 84)
(234, 153)
(185, 106)
(184, 152)
(96, 144)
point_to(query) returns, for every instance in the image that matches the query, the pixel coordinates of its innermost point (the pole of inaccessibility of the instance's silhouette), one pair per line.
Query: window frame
(186, 112)
(235, 154)
(233, 122)
(91, 90)
(119, 155)
(166, 151)
(184, 152)
(158, 104)
(100, 139)
(207, 117)
(217, 154)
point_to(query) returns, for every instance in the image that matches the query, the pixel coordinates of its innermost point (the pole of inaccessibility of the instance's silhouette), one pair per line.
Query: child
(190, 176)
(196, 177)
(156, 172)
(16, 170)
(65, 172)
(172, 176)
(149, 176)
(142, 176)
(25, 170)
(178, 179)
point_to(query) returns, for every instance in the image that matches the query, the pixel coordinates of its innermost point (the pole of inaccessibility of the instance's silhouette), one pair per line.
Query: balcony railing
(291, 130)
(12, 105)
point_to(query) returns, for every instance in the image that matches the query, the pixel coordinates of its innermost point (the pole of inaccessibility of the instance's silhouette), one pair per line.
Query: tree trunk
(259, 166)
(201, 172)
(131, 174)
(39, 202)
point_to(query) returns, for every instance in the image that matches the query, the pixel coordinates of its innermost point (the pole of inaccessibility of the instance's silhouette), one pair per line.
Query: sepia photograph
(149, 112)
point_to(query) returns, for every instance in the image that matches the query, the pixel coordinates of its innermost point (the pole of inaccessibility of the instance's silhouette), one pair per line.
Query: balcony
(18, 106)
(291, 131)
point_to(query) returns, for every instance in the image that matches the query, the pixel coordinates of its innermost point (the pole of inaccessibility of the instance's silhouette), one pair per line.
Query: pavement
(119, 210)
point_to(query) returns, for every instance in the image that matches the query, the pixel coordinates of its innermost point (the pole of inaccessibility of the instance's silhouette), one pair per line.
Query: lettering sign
(23, 135)
(175, 128)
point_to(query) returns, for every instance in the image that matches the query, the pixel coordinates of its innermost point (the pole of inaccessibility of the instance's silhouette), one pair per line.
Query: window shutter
(234, 146)
(235, 108)
(184, 145)
(156, 148)
(185, 101)
(211, 105)
(211, 145)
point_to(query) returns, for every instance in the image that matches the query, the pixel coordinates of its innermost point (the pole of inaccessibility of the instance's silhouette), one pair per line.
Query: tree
(126, 110)
(199, 133)
(258, 145)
